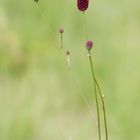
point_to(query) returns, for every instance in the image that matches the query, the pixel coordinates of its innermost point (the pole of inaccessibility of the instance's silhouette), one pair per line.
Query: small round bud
(67, 52)
(89, 45)
(61, 31)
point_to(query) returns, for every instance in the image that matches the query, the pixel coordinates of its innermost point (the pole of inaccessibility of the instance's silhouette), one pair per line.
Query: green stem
(96, 97)
(101, 96)
(86, 27)
(44, 17)
(61, 41)
(104, 110)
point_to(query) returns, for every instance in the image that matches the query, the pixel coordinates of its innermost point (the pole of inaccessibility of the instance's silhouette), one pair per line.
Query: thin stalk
(41, 11)
(61, 41)
(44, 17)
(86, 27)
(104, 110)
(90, 109)
(96, 97)
(101, 97)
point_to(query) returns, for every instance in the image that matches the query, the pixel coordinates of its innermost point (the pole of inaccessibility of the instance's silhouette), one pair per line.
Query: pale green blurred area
(40, 98)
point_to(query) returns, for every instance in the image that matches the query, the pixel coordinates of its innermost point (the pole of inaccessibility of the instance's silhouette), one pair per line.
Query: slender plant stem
(61, 41)
(44, 17)
(41, 11)
(86, 27)
(104, 110)
(101, 97)
(96, 97)
(90, 109)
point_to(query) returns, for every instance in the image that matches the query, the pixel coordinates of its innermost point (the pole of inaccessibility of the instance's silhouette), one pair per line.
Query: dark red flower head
(82, 5)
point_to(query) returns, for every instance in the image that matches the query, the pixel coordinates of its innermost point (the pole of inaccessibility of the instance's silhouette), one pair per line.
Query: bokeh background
(40, 98)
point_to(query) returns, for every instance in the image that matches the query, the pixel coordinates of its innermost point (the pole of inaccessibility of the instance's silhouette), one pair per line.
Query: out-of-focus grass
(40, 98)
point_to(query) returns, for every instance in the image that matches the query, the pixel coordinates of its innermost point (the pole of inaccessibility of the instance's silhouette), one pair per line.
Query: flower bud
(67, 52)
(89, 45)
(61, 31)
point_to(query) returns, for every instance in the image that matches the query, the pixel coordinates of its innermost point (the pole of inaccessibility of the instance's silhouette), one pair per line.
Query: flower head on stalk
(61, 31)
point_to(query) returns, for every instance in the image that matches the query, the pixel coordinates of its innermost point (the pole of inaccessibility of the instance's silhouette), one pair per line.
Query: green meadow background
(40, 98)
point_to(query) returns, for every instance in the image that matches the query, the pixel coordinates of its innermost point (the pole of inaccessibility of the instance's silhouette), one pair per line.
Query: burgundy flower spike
(82, 5)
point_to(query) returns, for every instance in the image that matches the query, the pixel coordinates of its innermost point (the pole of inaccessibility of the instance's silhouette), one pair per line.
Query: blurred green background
(40, 98)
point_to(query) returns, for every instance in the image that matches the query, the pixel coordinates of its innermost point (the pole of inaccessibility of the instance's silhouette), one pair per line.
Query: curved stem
(96, 97)
(104, 110)
(102, 99)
